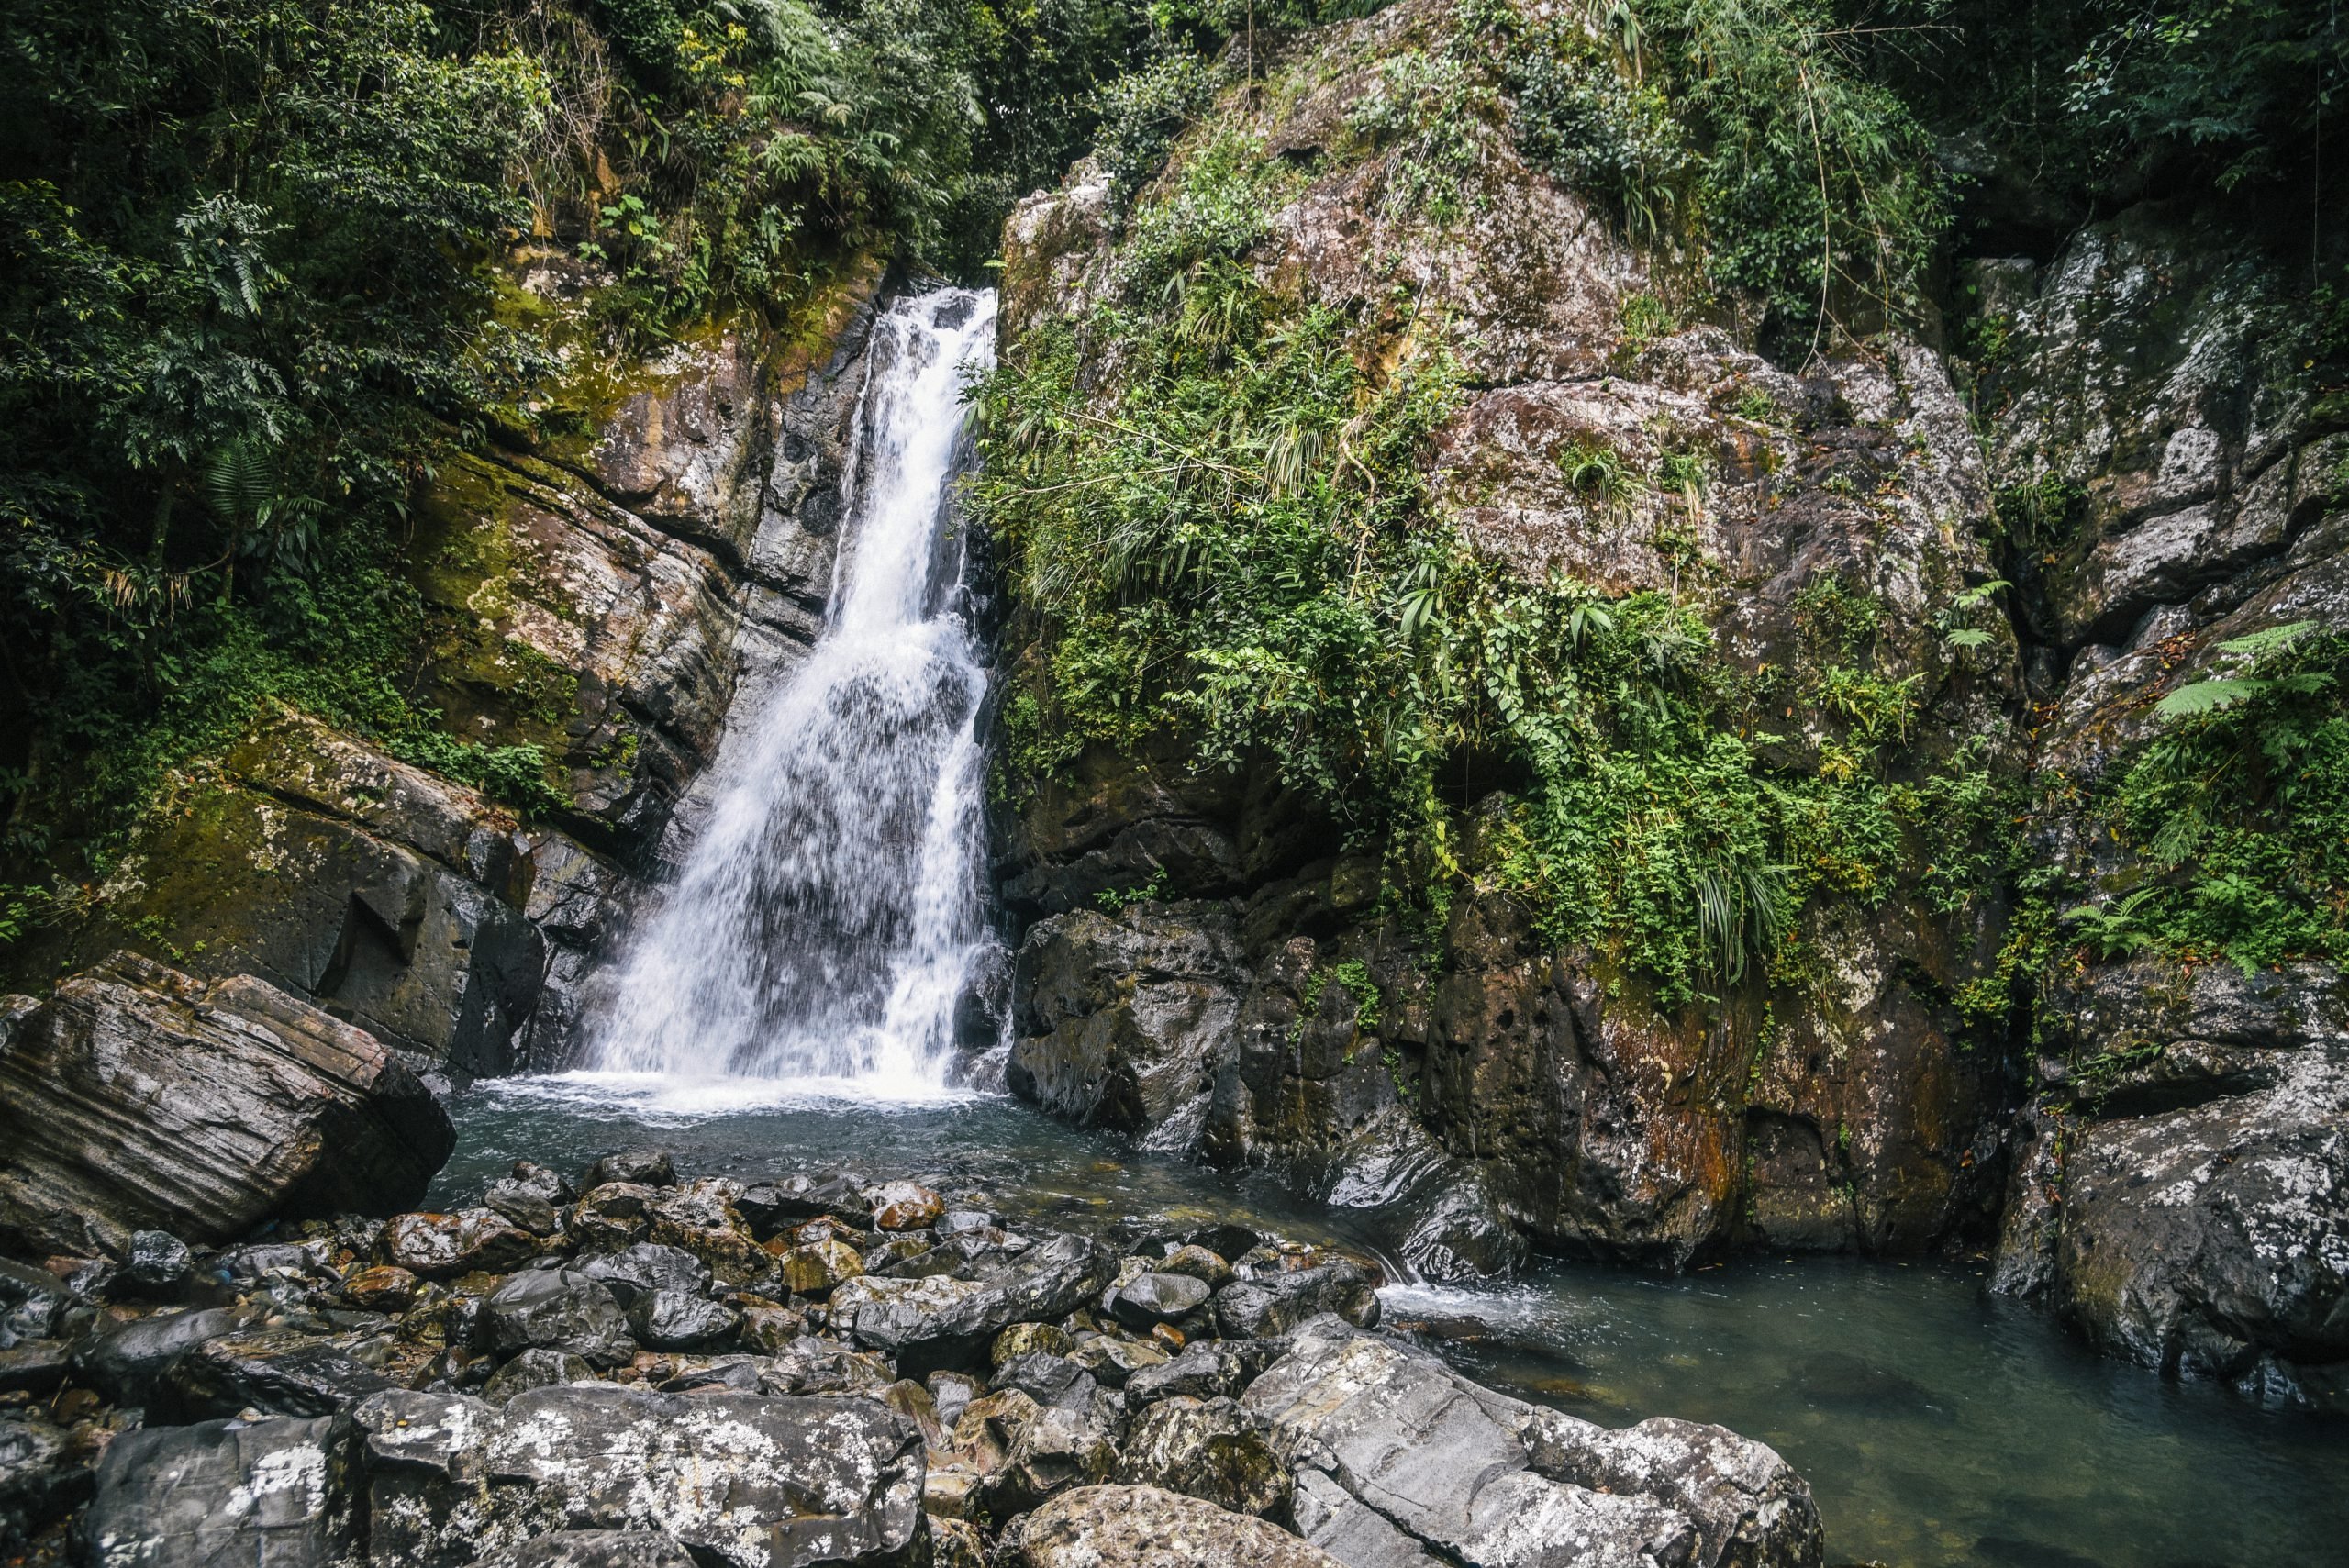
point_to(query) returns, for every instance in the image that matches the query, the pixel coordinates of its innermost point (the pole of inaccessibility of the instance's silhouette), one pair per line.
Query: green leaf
(2209, 696)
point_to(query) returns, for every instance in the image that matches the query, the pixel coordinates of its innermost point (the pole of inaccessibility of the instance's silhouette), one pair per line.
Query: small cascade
(828, 913)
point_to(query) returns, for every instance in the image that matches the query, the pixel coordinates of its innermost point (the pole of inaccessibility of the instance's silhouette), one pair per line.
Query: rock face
(139, 1098)
(595, 586)
(1248, 998)
(2190, 1210)
(281, 1493)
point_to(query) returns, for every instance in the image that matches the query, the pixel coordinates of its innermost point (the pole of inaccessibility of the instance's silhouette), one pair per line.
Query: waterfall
(828, 913)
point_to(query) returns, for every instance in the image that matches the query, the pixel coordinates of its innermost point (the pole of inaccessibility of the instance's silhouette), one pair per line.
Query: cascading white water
(828, 914)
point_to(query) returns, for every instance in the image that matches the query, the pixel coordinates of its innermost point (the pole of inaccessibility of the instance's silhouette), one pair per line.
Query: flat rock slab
(269, 1494)
(138, 1098)
(1143, 1527)
(760, 1482)
(1397, 1458)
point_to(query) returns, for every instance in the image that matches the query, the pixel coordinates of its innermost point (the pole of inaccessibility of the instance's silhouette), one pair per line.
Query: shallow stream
(1937, 1426)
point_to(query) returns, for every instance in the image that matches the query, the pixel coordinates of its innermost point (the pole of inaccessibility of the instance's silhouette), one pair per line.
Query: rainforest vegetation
(256, 251)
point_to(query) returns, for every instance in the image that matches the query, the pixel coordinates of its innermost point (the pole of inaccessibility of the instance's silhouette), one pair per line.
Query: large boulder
(138, 1098)
(1393, 1451)
(279, 1493)
(740, 1479)
(1143, 1527)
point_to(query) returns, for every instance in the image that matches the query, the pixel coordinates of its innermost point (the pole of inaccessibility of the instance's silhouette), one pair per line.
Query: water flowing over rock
(838, 865)
(139, 1098)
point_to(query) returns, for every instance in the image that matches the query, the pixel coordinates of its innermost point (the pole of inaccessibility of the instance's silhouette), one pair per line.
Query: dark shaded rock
(143, 1098)
(595, 1549)
(278, 1371)
(45, 1473)
(613, 1215)
(535, 1368)
(437, 1246)
(127, 1362)
(282, 1493)
(644, 1267)
(1199, 1262)
(731, 1374)
(1158, 1298)
(1205, 1369)
(556, 1310)
(1210, 1450)
(1143, 1527)
(1390, 1447)
(35, 1366)
(159, 1263)
(1049, 1380)
(642, 1167)
(767, 1329)
(822, 1366)
(527, 1207)
(1270, 1306)
(677, 1320)
(33, 1302)
(746, 1479)
(1114, 1360)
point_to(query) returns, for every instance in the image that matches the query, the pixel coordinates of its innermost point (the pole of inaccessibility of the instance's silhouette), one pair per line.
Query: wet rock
(535, 1368)
(1271, 1305)
(1058, 1449)
(613, 1215)
(677, 1320)
(1158, 1298)
(1143, 1527)
(280, 1492)
(1372, 1429)
(647, 1266)
(35, 1366)
(125, 1362)
(556, 1310)
(937, 1322)
(640, 1167)
(384, 1288)
(159, 1263)
(471, 1240)
(1194, 1261)
(1027, 1339)
(816, 1269)
(904, 1206)
(33, 1302)
(820, 1366)
(743, 1479)
(700, 1218)
(278, 1371)
(951, 1393)
(595, 1549)
(1207, 1370)
(767, 1329)
(144, 1098)
(1210, 1450)
(45, 1473)
(955, 1221)
(728, 1374)
(1114, 1361)
(527, 1206)
(955, 1543)
(1049, 1380)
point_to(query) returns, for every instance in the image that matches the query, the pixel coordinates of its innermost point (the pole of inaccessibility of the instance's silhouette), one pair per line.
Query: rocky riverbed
(626, 1367)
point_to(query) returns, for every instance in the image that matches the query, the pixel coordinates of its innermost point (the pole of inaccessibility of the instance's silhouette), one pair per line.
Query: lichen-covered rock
(535, 1368)
(139, 1097)
(595, 1549)
(1209, 1449)
(1393, 1451)
(436, 1246)
(747, 1479)
(1143, 1527)
(1057, 1448)
(282, 1493)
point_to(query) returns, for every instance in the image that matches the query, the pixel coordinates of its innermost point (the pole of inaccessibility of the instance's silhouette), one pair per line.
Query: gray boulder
(1205, 1369)
(1210, 1450)
(1143, 1527)
(677, 1320)
(141, 1098)
(556, 1310)
(125, 1364)
(1393, 1451)
(277, 1494)
(646, 1167)
(535, 1369)
(1271, 1305)
(1158, 1298)
(740, 1479)
(647, 1266)
(1058, 1449)
(939, 1323)
(278, 1371)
